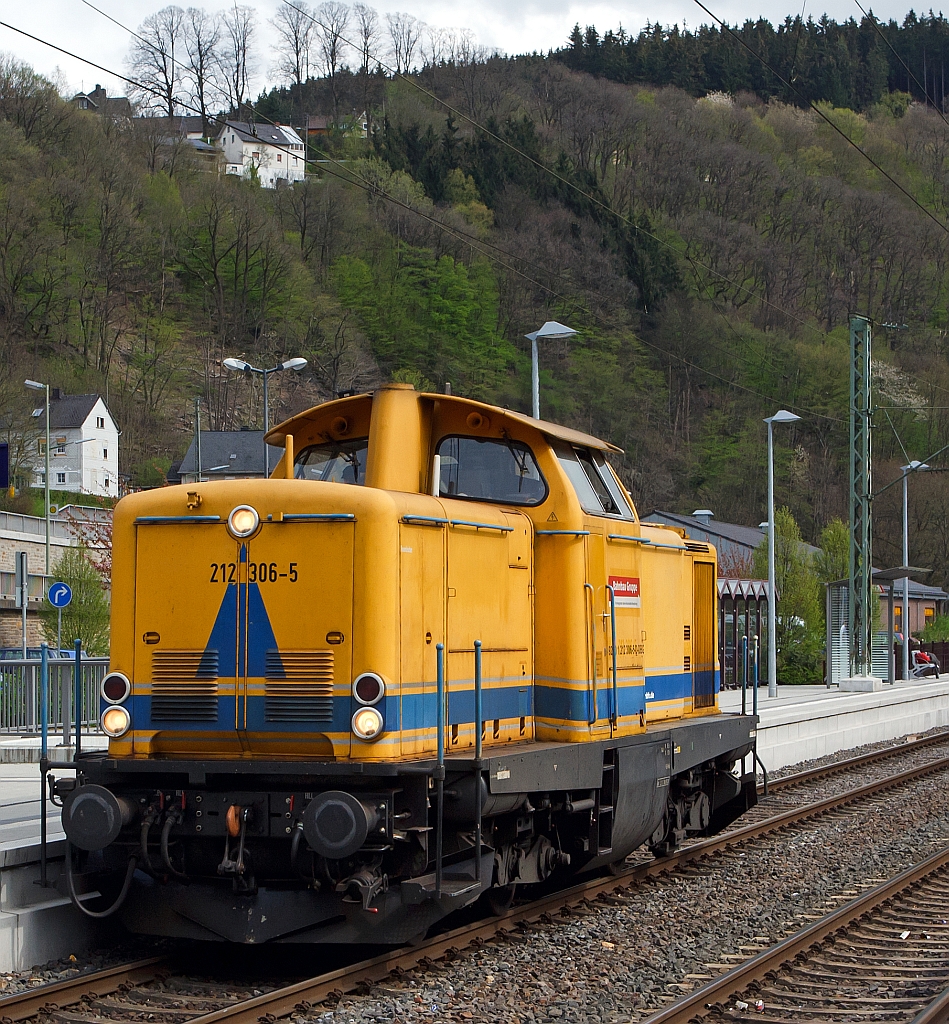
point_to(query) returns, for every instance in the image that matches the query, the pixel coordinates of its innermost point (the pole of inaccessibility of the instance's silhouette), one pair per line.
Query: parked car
(15, 653)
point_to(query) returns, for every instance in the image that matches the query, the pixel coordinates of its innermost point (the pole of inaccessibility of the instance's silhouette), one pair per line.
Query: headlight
(368, 724)
(242, 522)
(115, 687)
(369, 688)
(115, 721)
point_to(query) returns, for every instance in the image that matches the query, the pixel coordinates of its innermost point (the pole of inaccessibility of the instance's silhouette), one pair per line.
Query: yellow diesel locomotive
(435, 656)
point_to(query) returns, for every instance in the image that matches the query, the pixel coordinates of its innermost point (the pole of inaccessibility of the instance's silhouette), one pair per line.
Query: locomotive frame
(295, 702)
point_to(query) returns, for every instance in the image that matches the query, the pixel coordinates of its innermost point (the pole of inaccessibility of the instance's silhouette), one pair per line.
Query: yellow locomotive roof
(293, 425)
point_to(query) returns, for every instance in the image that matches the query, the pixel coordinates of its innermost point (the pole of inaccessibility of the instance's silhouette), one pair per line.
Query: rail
(21, 686)
(304, 995)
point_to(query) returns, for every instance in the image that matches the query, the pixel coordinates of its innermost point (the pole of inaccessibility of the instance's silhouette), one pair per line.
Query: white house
(84, 445)
(273, 152)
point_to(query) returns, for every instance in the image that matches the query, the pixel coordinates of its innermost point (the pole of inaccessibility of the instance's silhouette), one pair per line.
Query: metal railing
(20, 689)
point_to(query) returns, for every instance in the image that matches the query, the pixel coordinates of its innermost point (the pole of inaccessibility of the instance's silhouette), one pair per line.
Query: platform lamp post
(243, 366)
(35, 385)
(551, 331)
(781, 416)
(914, 466)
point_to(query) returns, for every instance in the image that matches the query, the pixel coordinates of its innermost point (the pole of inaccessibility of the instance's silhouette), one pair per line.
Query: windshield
(337, 462)
(488, 470)
(593, 481)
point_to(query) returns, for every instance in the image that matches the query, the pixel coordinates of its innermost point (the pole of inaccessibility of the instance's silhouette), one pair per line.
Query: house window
(60, 478)
(897, 618)
(107, 482)
(930, 613)
(60, 450)
(100, 422)
(280, 158)
(105, 453)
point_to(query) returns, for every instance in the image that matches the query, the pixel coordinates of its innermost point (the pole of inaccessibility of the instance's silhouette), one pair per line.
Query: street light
(297, 363)
(781, 416)
(549, 332)
(914, 466)
(36, 386)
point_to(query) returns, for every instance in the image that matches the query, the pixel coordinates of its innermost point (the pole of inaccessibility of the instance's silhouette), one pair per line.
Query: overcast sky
(518, 27)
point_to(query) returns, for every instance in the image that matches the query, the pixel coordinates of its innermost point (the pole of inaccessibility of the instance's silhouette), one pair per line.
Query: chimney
(55, 394)
(704, 515)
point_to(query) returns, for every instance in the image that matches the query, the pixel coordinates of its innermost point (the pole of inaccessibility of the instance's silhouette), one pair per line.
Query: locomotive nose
(336, 824)
(93, 817)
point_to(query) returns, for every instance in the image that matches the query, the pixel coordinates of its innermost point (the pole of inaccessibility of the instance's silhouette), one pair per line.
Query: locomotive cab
(434, 653)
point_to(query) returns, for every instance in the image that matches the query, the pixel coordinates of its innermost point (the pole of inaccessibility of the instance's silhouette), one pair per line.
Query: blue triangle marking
(260, 635)
(223, 638)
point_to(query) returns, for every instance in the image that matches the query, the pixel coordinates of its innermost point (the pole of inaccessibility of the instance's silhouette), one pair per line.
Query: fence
(20, 694)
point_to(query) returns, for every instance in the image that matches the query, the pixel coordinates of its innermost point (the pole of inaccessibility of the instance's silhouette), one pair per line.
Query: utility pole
(859, 606)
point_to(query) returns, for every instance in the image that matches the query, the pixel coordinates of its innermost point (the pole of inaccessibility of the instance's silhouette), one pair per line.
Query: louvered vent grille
(686, 632)
(692, 546)
(688, 663)
(184, 686)
(299, 686)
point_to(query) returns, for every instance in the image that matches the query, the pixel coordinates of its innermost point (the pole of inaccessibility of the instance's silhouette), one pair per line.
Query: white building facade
(274, 153)
(84, 446)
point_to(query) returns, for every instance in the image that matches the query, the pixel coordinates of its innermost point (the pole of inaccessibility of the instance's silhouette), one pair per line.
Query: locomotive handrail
(561, 533)
(645, 540)
(614, 717)
(591, 647)
(153, 520)
(424, 521)
(317, 517)
(481, 526)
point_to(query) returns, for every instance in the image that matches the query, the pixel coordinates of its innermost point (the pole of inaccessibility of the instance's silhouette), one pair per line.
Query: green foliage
(800, 607)
(937, 631)
(436, 316)
(832, 562)
(86, 617)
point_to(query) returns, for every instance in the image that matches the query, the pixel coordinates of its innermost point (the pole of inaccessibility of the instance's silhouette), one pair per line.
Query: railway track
(883, 956)
(149, 990)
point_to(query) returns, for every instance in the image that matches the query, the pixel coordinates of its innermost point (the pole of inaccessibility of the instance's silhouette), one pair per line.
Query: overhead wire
(349, 176)
(475, 243)
(923, 88)
(813, 106)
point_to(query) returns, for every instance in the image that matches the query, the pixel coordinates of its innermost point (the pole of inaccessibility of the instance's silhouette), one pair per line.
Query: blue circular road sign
(59, 595)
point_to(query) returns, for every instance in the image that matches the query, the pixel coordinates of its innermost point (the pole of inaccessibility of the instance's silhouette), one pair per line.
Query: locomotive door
(704, 590)
(490, 574)
(294, 639)
(617, 666)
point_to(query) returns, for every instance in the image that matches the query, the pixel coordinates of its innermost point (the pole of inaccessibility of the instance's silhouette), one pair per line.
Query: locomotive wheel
(500, 898)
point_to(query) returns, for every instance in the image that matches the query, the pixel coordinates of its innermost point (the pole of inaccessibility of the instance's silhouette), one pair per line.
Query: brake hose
(170, 821)
(119, 900)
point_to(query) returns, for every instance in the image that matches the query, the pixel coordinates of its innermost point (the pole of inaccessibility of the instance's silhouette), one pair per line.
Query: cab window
(337, 462)
(484, 469)
(592, 479)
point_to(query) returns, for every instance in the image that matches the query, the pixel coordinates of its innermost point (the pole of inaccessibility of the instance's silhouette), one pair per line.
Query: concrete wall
(811, 729)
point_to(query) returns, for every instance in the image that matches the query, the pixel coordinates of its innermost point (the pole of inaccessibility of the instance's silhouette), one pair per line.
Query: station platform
(806, 722)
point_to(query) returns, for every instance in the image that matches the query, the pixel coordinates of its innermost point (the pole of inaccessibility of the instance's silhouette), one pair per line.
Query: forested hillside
(708, 249)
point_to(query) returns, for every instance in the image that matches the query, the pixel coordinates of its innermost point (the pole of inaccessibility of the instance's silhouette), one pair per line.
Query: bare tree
(368, 36)
(435, 45)
(369, 43)
(202, 34)
(238, 60)
(294, 24)
(332, 19)
(153, 59)
(404, 35)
